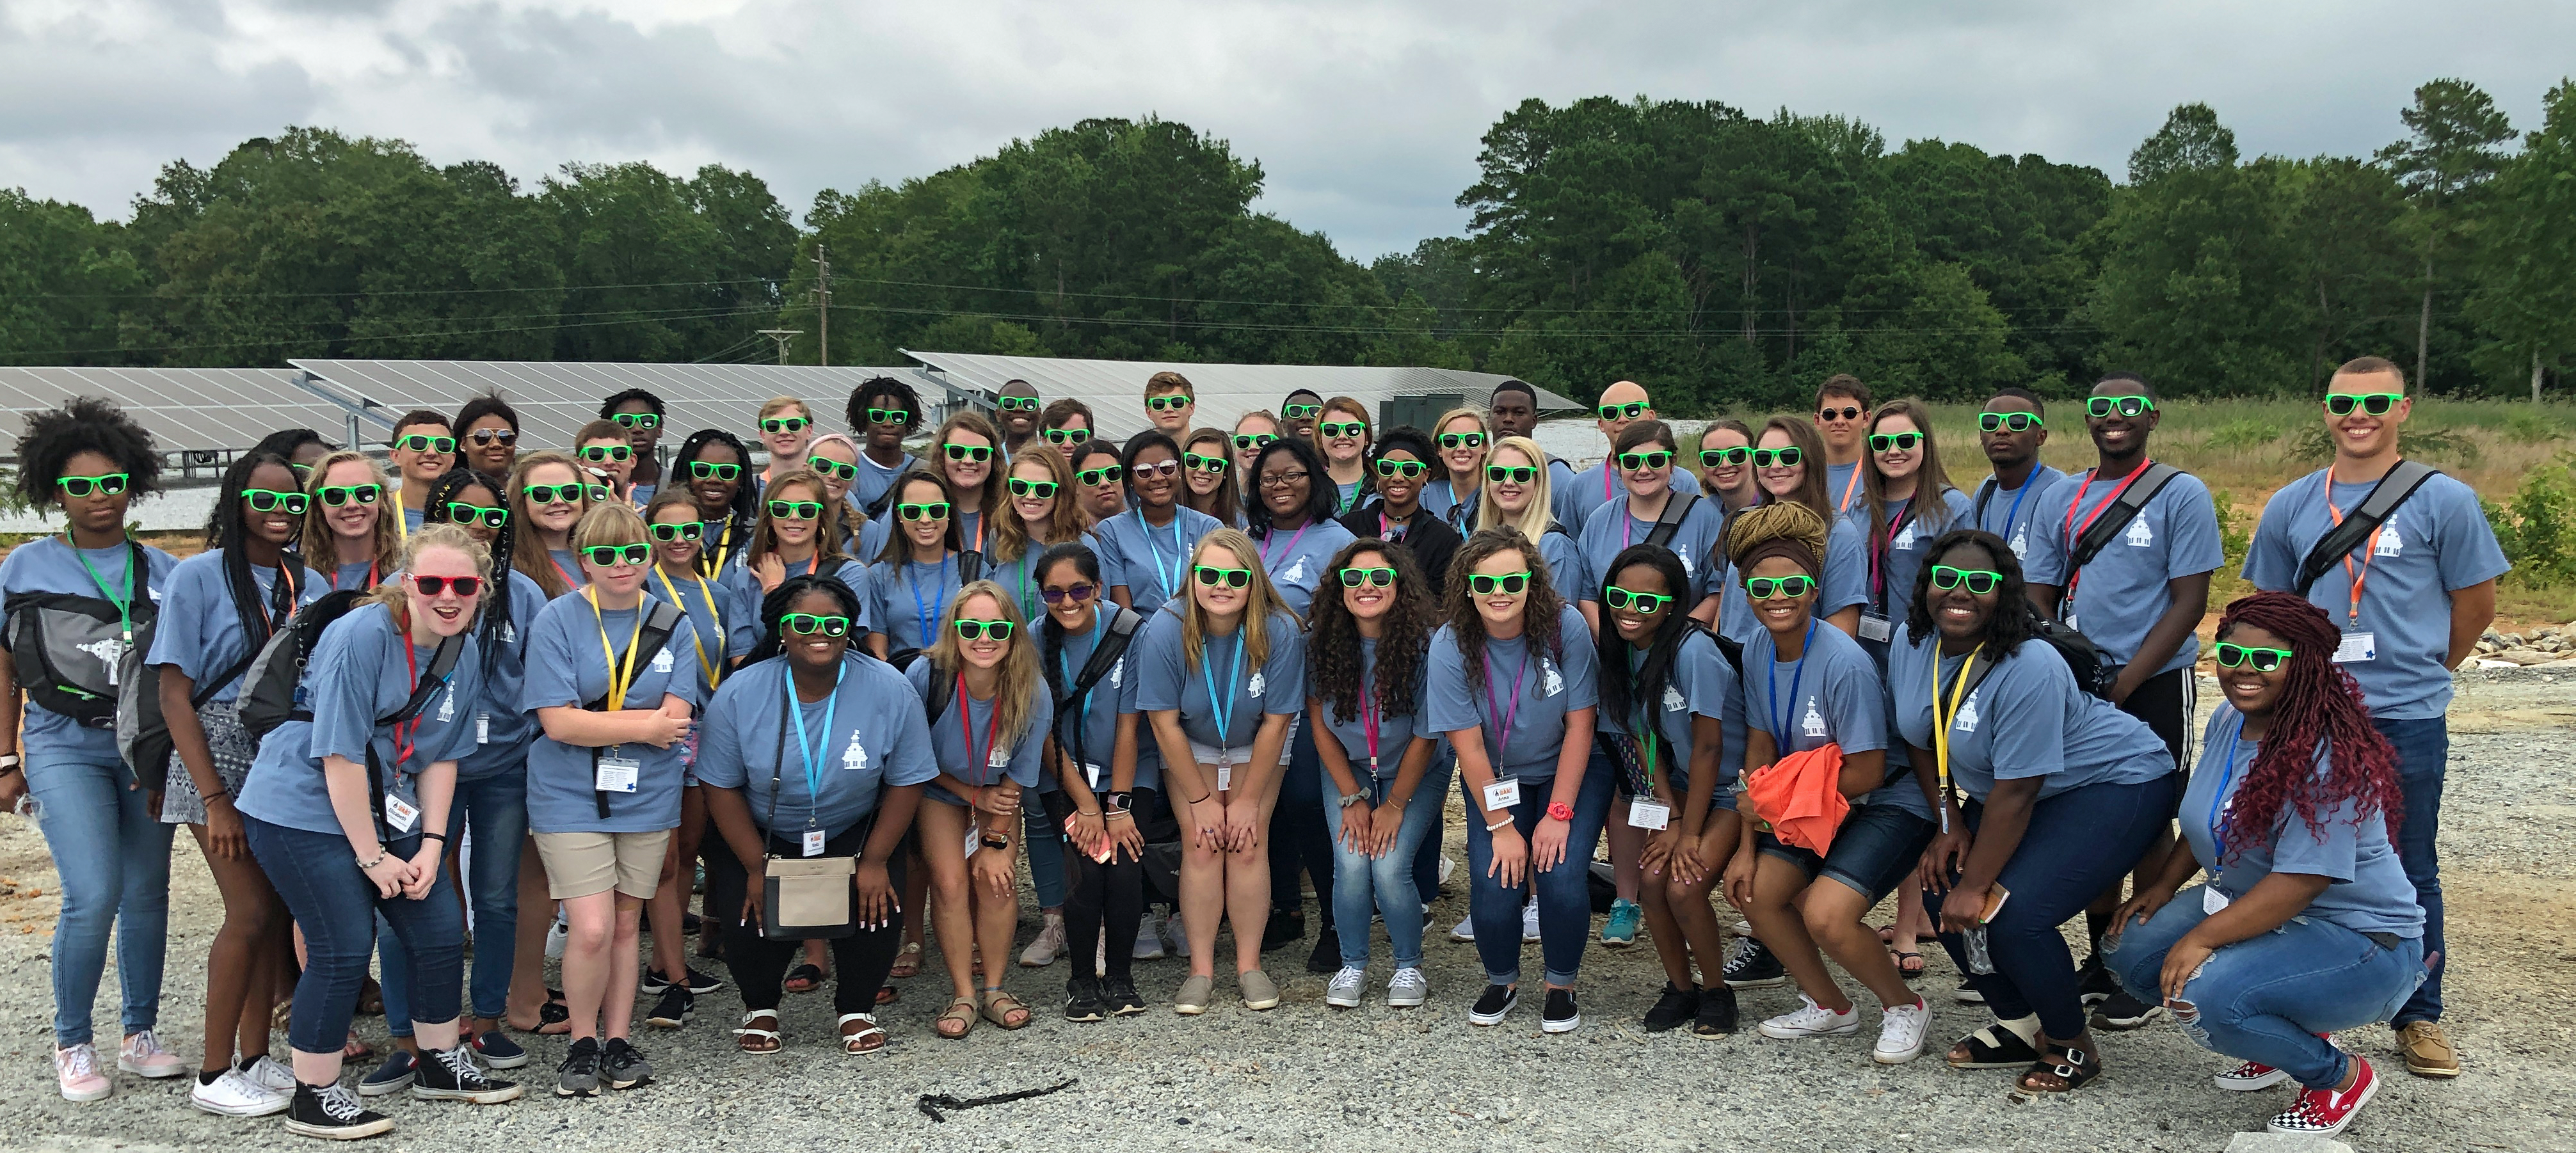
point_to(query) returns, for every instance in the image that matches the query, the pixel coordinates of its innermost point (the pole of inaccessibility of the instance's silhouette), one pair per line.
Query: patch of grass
(2239, 435)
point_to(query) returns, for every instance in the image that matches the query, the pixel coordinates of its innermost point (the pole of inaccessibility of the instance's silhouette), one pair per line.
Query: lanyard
(1370, 718)
(992, 728)
(1645, 731)
(1392, 532)
(2072, 532)
(928, 612)
(569, 579)
(724, 548)
(1941, 721)
(1168, 579)
(2217, 840)
(979, 530)
(1607, 474)
(619, 680)
(1503, 740)
(124, 607)
(404, 746)
(1849, 486)
(2370, 548)
(713, 668)
(1028, 560)
(286, 573)
(1878, 556)
(371, 577)
(1081, 704)
(813, 754)
(1771, 679)
(1292, 542)
(2014, 513)
(1233, 686)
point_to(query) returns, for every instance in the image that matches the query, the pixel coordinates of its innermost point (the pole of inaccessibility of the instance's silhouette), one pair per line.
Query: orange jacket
(1800, 797)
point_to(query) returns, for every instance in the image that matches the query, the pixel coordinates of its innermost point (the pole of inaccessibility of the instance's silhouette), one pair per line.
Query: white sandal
(850, 1041)
(746, 1033)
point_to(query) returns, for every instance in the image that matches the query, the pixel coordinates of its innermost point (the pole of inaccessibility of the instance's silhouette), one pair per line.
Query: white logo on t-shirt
(1815, 724)
(2140, 536)
(1683, 551)
(2388, 542)
(1673, 702)
(1296, 572)
(1905, 539)
(662, 661)
(2021, 542)
(509, 632)
(1966, 721)
(1552, 683)
(1117, 671)
(855, 757)
(447, 708)
(1254, 686)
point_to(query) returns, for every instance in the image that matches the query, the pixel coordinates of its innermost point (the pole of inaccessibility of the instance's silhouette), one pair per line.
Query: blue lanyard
(1771, 677)
(1168, 579)
(2226, 777)
(2014, 513)
(813, 767)
(1064, 664)
(1233, 687)
(928, 614)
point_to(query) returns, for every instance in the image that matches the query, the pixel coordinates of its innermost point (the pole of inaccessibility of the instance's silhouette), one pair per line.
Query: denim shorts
(1877, 847)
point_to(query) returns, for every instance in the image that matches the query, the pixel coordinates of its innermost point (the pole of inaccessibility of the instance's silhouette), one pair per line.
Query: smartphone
(1995, 897)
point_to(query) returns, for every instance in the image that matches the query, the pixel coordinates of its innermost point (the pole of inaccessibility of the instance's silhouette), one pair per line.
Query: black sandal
(1909, 973)
(1995, 1047)
(812, 975)
(2066, 1063)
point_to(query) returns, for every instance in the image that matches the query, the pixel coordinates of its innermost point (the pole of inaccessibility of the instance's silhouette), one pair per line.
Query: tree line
(1716, 256)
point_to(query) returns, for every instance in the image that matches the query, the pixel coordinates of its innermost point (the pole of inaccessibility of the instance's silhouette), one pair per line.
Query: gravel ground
(1308, 1077)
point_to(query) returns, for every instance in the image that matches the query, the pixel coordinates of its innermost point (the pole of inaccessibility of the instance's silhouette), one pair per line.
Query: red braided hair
(2319, 704)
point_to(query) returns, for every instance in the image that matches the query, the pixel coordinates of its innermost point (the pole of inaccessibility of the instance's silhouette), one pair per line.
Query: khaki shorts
(581, 864)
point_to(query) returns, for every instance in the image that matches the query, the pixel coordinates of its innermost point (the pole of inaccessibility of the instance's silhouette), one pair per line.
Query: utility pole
(823, 300)
(784, 337)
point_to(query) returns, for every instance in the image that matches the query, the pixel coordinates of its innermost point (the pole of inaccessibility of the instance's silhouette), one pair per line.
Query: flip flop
(754, 1040)
(1909, 971)
(867, 1038)
(810, 975)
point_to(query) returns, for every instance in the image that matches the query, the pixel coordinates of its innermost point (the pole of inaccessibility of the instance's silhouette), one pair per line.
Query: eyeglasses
(643, 420)
(1041, 489)
(1098, 476)
(107, 484)
(431, 586)
(598, 453)
(1408, 469)
(1158, 468)
(1633, 461)
(418, 442)
(1232, 577)
(1381, 577)
(1766, 457)
(934, 510)
(264, 500)
(807, 624)
(2374, 403)
(1713, 457)
(795, 510)
(784, 424)
(2100, 406)
(340, 494)
(550, 493)
(1884, 441)
(611, 555)
(1301, 411)
(1251, 440)
(889, 416)
(832, 468)
(1846, 412)
(1462, 440)
(1078, 593)
(2016, 421)
(705, 471)
(1767, 588)
(491, 436)
(1979, 581)
(1517, 474)
(1211, 464)
(671, 533)
(459, 512)
(1483, 584)
(1017, 404)
(1066, 435)
(975, 630)
(1631, 410)
(2232, 655)
(979, 453)
(1643, 604)
(1343, 427)
(1282, 479)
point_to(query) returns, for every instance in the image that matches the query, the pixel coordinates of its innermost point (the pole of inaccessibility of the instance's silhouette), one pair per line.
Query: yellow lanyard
(695, 637)
(724, 551)
(1941, 722)
(619, 680)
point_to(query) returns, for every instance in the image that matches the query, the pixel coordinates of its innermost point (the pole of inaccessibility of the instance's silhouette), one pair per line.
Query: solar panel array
(209, 409)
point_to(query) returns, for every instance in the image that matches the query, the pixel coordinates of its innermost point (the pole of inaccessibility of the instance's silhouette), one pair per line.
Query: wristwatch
(992, 841)
(1118, 802)
(1559, 810)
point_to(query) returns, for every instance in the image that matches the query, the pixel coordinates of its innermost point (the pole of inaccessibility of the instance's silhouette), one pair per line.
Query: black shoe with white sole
(1494, 1005)
(2121, 1013)
(1118, 995)
(332, 1112)
(690, 979)
(454, 1075)
(2094, 983)
(1751, 966)
(1676, 1007)
(1967, 994)
(1560, 1015)
(671, 1010)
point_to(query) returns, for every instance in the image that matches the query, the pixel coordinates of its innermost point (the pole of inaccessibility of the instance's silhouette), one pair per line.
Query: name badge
(482, 728)
(1503, 794)
(2357, 647)
(813, 842)
(1091, 774)
(1874, 627)
(974, 838)
(1646, 814)
(2211, 900)
(1224, 776)
(617, 775)
(399, 813)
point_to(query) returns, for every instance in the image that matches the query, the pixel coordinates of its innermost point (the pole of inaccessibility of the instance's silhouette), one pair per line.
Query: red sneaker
(2325, 1112)
(2249, 1077)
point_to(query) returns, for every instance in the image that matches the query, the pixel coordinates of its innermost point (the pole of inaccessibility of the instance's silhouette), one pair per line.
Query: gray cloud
(1365, 116)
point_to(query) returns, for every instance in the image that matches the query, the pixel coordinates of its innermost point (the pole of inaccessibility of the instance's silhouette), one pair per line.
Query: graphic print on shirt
(1253, 686)
(2021, 543)
(1673, 702)
(1555, 684)
(1905, 538)
(110, 651)
(1815, 722)
(2388, 542)
(662, 661)
(1966, 721)
(1296, 572)
(1683, 551)
(854, 758)
(1117, 671)
(2140, 536)
(447, 708)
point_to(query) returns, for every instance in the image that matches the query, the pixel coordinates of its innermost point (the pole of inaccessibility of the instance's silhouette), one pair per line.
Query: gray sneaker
(1346, 988)
(1193, 998)
(1258, 991)
(622, 1066)
(1408, 990)
(578, 1075)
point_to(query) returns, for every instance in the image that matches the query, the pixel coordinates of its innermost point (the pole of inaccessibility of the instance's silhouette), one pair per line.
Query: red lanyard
(569, 579)
(403, 744)
(992, 729)
(2071, 532)
(1878, 556)
(2370, 548)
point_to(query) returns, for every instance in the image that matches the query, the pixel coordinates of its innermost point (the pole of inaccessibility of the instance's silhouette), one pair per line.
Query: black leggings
(860, 961)
(1110, 896)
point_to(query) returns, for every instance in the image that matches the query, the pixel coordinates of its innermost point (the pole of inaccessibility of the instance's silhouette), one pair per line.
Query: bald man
(1621, 405)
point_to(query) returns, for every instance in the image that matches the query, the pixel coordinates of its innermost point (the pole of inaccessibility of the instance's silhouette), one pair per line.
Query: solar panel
(209, 409)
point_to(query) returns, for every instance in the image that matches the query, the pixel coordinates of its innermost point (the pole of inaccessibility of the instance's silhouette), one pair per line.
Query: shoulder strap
(1986, 492)
(1121, 630)
(936, 705)
(441, 663)
(1671, 521)
(2114, 520)
(778, 760)
(885, 500)
(2391, 491)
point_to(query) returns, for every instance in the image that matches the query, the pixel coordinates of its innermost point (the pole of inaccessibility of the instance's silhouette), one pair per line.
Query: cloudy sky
(1365, 115)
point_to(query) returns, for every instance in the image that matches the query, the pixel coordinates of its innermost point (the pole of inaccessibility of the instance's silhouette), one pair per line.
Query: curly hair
(882, 388)
(496, 621)
(741, 513)
(1333, 645)
(652, 403)
(1620, 695)
(774, 606)
(2014, 620)
(1065, 520)
(84, 424)
(1539, 612)
(2320, 706)
(828, 528)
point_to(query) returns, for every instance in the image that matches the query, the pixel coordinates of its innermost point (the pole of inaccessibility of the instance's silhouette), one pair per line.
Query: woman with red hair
(2307, 923)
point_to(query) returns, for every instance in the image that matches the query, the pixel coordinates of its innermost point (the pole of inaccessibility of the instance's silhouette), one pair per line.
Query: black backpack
(143, 733)
(272, 687)
(73, 654)
(2093, 673)
(1122, 625)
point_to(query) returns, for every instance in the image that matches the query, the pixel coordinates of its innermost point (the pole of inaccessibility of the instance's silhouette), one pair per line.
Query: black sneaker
(578, 1075)
(2094, 983)
(1119, 995)
(454, 1075)
(1327, 957)
(622, 1065)
(1716, 1013)
(1494, 1005)
(332, 1112)
(1283, 928)
(394, 1076)
(1750, 965)
(1967, 994)
(690, 979)
(1560, 1016)
(1674, 1007)
(671, 1009)
(1082, 999)
(2121, 1012)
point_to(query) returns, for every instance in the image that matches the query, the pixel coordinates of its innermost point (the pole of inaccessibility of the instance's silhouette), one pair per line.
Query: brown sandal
(907, 961)
(998, 1007)
(960, 1013)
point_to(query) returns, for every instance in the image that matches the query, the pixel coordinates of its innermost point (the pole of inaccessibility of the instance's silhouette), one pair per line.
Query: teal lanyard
(812, 752)
(1233, 687)
(1169, 578)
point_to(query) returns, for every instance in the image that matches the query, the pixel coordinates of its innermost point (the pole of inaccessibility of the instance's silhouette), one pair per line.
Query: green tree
(67, 283)
(2453, 149)
(2525, 303)
(662, 268)
(2347, 232)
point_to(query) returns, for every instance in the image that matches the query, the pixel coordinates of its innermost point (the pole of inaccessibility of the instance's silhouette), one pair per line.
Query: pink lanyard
(1507, 715)
(1292, 543)
(1368, 724)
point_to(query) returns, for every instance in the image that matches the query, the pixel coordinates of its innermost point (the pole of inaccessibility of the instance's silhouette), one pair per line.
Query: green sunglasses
(889, 416)
(1644, 604)
(2101, 406)
(642, 420)
(1637, 460)
(1018, 404)
(598, 493)
(1515, 473)
(1408, 469)
(705, 471)
(459, 512)
(264, 500)
(1197, 462)
(1768, 588)
(834, 469)
(107, 484)
(1979, 581)
(1232, 577)
(340, 494)
(550, 493)
(1173, 403)
(974, 630)
(1343, 428)
(935, 510)
(603, 453)
(2374, 403)
(670, 533)
(1354, 577)
(2016, 421)
(1462, 440)
(784, 424)
(1631, 410)
(2231, 655)
(1300, 411)
(1884, 441)
(612, 555)
(1250, 440)
(978, 453)
(1483, 584)
(1041, 489)
(1713, 457)
(1066, 435)
(796, 509)
(1110, 475)
(418, 442)
(807, 624)
(1766, 457)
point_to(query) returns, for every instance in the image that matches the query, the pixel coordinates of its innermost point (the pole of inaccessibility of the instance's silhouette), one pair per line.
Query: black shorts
(2164, 701)
(1877, 847)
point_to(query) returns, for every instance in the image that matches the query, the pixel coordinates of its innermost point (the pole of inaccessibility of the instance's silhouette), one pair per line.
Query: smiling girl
(1461, 438)
(1342, 437)
(1517, 495)
(710, 466)
(909, 587)
(1144, 549)
(798, 532)
(1399, 464)
(1208, 467)
(547, 497)
(346, 531)
(1290, 509)
(1107, 783)
(967, 451)
(1788, 465)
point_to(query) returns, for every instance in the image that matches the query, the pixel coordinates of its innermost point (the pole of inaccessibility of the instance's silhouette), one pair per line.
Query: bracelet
(1211, 793)
(367, 866)
(1498, 824)
(1094, 816)
(210, 798)
(441, 838)
(1122, 813)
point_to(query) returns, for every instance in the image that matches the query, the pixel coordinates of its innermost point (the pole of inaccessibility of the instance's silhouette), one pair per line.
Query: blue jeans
(113, 859)
(2266, 998)
(1046, 856)
(497, 808)
(1385, 883)
(1564, 892)
(2076, 845)
(1299, 844)
(336, 906)
(2423, 752)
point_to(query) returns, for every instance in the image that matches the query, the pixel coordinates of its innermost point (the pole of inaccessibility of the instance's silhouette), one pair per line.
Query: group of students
(1226, 661)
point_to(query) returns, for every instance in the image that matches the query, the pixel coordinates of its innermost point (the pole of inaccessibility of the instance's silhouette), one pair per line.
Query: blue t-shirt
(2027, 718)
(2010, 512)
(739, 592)
(1567, 571)
(1702, 684)
(1698, 540)
(1151, 563)
(641, 494)
(2435, 544)
(1021, 577)
(2123, 592)
(1166, 680)
(1532, 691)
(874, 479)
(969, 748)
(2367, 891)
(502, 728)
(1395, 731)
(200, 631)
(1348, 497)
(568, 668)
(1442, 499)
(358, 575)
(1087, 733)
(1896, 557)
(1830, 696)
(1845, 584)
(722, 625)
(907, 601)
(1296, 561)
(876, 740)
(359, 674)
(568, 565)
(413, 518)
(48, 565)
(1576, 494)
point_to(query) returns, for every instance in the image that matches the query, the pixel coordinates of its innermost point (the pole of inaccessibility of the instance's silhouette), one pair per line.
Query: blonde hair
(1022, 671)
(1065, 521)
(317, 527)
(827, 528)
(611, 523)
(992, 489)
(535, 561)
(778, 404)
(1442, 425)
(1533, 521)
(1261, 598)
(396, 595)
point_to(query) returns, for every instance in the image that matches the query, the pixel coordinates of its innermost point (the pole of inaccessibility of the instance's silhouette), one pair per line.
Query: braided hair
(745, 510)
(1333, 649)
(2320, 706)
(774, 606)
(228, 529)
(496, 603)
(1619, 693)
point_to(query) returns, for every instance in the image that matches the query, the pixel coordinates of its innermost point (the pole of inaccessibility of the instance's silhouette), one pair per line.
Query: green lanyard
(125, 607)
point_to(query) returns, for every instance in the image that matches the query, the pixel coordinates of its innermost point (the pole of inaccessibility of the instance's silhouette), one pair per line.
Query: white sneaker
(1900, 1033)
(1447, 867)
(555, 935)
(272, 1074)
(76, 1073)
(1149, 939)
(234, 1094)
(143, 1056)
(1344, 990)
(1529, 920)
(1465, 929)
(1042, 952)
(1408, 990)
(1812, 1020)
